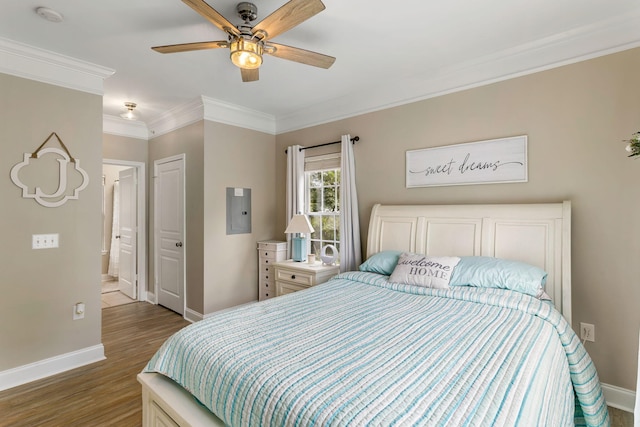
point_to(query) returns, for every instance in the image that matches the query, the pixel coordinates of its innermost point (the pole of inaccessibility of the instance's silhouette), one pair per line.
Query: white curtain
(350, 252)
(295, 186)
(114, 251)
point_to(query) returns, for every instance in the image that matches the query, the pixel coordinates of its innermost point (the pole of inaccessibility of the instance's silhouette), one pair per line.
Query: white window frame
(315, 164)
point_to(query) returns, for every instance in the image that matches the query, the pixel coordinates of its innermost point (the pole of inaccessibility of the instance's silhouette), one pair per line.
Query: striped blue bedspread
(359, 350)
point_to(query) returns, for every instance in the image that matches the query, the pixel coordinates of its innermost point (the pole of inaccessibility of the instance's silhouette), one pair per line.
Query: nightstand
(269, 252)
(292, 276)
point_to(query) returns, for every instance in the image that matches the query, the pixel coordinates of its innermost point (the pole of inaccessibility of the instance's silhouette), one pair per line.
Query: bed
(362, 349)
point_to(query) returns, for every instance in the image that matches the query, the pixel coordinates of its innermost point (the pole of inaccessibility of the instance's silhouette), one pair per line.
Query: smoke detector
(49, 14)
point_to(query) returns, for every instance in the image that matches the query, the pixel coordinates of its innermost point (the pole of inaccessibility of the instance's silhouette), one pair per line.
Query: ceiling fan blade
(300, 55)
(213, 16)
(288, 16)
(249, 75)
(186, 47)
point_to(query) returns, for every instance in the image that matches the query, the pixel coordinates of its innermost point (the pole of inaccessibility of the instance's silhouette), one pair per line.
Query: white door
(127, 279)
(169, 232)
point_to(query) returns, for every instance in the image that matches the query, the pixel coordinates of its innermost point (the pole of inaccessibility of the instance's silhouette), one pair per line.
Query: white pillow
(421, 270)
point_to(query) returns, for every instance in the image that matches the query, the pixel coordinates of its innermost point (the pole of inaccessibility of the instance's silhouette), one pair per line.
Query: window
(323, 207)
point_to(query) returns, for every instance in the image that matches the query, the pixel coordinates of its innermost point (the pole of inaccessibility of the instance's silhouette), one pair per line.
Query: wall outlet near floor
(587, 332)
(78, 311)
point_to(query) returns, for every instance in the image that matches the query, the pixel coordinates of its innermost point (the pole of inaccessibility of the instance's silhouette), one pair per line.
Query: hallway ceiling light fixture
(129, 113)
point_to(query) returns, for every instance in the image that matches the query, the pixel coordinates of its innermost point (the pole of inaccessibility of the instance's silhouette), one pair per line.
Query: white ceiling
(387, 53)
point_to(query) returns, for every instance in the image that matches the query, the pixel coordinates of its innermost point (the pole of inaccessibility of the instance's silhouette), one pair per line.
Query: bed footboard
(167, 404)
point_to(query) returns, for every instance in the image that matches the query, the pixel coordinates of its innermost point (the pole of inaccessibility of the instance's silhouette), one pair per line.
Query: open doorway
(124, 260)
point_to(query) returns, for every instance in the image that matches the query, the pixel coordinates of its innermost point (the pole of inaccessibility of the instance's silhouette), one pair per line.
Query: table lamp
(299, 224)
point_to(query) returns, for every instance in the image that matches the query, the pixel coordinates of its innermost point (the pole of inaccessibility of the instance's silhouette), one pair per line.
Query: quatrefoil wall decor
(70, 179)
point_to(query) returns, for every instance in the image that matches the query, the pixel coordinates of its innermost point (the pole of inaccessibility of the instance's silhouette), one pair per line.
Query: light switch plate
(45, 241)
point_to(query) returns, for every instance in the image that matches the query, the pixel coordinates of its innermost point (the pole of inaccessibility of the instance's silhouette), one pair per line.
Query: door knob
(179, 244)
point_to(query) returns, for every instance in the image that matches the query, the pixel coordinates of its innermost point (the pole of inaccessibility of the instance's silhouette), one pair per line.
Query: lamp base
(299, 249)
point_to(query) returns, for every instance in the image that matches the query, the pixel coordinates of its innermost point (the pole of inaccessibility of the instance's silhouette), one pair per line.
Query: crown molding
(205, 108)
(114, 125)
(176, 118)
(33, 63)
(580, 44)
(231, 114)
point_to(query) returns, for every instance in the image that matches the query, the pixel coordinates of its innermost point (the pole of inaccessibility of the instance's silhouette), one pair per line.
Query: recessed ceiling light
(49, 14)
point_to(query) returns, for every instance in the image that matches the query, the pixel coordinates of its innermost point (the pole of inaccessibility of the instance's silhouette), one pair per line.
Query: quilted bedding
(359, 350)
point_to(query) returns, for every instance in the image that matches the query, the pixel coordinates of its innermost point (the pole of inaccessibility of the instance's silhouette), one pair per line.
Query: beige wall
(222, 270)
(238, 158)
(40, 287)
(575, 118)
(116, 147)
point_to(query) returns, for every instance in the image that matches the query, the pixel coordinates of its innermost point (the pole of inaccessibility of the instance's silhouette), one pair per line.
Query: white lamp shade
(299, 224)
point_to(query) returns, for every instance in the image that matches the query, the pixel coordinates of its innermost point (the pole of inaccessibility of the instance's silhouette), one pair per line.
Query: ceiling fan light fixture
(246, 53)
(129, 113)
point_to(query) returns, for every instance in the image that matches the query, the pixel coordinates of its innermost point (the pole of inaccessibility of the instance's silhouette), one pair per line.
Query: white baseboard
(618, 397)
(151, 297)
(47, 367)
(192, 315)
(143, 295)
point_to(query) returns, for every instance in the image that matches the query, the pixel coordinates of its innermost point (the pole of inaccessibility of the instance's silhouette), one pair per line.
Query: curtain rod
(353, 141)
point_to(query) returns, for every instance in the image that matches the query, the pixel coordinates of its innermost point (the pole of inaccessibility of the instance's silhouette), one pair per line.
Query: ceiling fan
(248, 43)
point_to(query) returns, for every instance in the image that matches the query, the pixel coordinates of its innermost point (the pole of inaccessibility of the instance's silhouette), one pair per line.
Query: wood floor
(104, 393)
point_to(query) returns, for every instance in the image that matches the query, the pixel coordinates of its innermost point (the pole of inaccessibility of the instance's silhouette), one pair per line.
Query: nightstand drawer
(295, 276)
(289, 288)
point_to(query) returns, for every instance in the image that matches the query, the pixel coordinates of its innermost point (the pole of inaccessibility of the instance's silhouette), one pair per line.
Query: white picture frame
(502, 160)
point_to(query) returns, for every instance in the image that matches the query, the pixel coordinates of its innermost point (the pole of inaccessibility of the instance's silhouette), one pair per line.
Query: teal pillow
(489, 272)
(382, 263)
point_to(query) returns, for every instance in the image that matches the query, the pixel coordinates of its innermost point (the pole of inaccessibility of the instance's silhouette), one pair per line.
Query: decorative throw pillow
(422, 270)
(382, 263)
(489, 272)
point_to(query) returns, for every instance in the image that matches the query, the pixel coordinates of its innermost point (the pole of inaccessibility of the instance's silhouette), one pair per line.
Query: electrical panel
(238, 210)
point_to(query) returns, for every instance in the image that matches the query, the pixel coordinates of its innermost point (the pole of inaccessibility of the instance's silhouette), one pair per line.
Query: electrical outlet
(78, 311)
(587, 332)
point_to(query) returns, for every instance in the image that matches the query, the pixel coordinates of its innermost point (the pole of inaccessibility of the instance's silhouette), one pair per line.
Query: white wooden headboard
(538, 234)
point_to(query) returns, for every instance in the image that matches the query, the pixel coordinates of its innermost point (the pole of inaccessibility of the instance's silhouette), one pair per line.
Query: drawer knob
(266, 253)
(266, 285)
(293, 276)
(266, 277)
